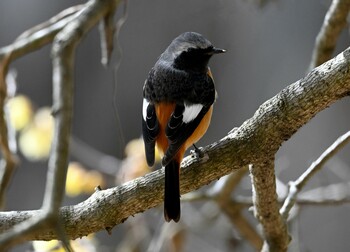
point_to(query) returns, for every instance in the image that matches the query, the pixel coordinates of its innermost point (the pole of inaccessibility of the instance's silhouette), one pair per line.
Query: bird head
(191, 52)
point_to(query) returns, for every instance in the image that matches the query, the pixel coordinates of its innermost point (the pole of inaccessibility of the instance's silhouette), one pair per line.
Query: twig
(334, 194)
(296, 186)
(35, 38)
(41, 28)
(107, 30)
(334, 22)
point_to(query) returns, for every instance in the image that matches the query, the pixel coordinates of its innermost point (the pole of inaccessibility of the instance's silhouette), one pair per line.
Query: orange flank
(164, 111)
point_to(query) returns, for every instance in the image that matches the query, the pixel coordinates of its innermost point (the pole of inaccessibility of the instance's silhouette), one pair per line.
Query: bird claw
(198, 154)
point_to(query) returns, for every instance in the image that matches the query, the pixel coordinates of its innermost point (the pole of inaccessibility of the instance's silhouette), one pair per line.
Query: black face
(194, 59)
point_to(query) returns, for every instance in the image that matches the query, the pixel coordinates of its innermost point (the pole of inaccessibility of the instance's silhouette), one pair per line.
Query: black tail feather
(172, 209)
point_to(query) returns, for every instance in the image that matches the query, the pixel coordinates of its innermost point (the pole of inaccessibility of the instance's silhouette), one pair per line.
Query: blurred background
(268, 47)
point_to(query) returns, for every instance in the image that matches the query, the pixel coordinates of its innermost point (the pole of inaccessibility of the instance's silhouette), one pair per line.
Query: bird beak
(216, 50)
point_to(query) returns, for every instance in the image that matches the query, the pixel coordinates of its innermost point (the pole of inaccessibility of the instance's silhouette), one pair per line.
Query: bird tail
(172, 191)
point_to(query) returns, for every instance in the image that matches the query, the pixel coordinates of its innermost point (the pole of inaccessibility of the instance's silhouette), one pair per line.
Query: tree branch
(40, 35)
(266, 207)
(273, 123)
(334, 194)
(8, 161)
(334, 22)
(296, 186)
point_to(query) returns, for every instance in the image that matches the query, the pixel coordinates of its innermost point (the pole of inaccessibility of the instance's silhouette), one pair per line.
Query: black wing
(150, 130)
(178, 131)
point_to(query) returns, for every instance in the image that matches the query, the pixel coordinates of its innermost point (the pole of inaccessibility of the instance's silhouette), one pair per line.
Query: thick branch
(272, 124)
(266, 207)
(334, 22)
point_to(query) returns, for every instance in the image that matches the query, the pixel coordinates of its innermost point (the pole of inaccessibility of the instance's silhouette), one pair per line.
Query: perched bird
(178, 102)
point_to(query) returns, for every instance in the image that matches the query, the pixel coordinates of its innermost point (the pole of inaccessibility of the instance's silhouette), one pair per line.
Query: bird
(178, 98)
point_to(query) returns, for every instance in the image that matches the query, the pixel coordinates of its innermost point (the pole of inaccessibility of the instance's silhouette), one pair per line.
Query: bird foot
(198, 154)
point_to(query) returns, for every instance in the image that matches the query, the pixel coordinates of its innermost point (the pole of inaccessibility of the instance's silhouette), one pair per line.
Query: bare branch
(107, 34)
(296, 186)
(334, 22)
(334, 194)
(8, 161)
(42, 28)
(39, 36)
(266, 206)
(109, 30)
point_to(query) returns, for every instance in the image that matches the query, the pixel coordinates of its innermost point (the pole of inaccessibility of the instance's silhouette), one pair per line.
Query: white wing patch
(191, 112)
(144, 109)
